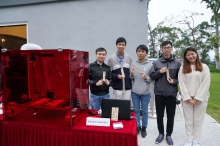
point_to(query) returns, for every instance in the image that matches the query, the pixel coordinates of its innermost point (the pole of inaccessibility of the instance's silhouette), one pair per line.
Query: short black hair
(166, 43)
(121, 40)
(100, 50)
(142, 47)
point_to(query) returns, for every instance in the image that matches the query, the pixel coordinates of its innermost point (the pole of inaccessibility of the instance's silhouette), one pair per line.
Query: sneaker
(169, 140)
(138, 130)
(194, 143)
(143, 132)
(188, 144)
(159, 138)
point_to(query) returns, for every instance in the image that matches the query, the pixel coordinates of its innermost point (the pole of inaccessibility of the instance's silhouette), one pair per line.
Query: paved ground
(210, 136)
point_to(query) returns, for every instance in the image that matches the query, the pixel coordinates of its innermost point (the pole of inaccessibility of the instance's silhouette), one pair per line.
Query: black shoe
(169, 140)
(159, 138)
(143, 132)
(138, 130)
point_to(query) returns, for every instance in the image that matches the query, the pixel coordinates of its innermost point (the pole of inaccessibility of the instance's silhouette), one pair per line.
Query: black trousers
(169, 103)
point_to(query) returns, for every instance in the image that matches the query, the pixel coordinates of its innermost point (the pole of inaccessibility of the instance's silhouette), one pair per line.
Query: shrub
(213, 69)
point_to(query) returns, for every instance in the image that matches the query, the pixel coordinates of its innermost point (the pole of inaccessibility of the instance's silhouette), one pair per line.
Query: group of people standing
(131, 80)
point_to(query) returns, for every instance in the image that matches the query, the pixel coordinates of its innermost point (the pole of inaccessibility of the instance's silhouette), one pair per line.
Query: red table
(24, 134)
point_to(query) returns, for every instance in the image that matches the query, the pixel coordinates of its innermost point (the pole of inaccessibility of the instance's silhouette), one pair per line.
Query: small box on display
(118, 125)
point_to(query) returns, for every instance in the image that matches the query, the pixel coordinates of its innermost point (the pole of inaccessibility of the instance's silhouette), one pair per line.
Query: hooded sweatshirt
(139, 85)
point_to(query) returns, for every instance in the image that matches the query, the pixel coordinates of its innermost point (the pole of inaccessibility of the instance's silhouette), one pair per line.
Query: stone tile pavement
(210, 135)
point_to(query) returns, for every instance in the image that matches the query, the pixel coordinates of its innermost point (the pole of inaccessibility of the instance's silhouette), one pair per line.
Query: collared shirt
(98, 62)
(120, 59)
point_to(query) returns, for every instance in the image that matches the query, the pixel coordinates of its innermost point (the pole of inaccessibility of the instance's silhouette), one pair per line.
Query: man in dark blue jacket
(120, 63)
(99, 79)
(165, 73)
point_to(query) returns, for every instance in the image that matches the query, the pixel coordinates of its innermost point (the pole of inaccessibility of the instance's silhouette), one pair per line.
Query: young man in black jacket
(99, 79)
(165, 73)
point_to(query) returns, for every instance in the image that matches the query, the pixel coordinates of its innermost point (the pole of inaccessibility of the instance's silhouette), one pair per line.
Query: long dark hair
(186, 63)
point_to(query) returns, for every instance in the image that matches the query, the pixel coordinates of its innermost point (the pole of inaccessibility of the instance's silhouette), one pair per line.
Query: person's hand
(196, 101)
(99, 83)
(120, 76)
(170, 80)
(132, 71)
(87, 82)
(106, 82)
(163, 70)
(143, 75)
(191, 101)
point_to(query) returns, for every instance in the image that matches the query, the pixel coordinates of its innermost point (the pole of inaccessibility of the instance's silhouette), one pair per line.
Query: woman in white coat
(194, 81)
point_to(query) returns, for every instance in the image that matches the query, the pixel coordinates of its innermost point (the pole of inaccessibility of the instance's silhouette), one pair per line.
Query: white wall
(82, 25)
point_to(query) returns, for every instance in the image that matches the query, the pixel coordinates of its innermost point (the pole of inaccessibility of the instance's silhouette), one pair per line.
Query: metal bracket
(60, 49)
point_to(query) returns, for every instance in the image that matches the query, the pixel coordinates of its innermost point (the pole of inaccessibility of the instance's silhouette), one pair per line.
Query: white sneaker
(188, 144)
(194, 143)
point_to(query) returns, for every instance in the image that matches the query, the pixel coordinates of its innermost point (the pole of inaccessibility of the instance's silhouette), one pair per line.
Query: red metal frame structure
(39, 86)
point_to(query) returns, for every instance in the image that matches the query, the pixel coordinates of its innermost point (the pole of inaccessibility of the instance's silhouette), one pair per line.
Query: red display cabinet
(44, 86)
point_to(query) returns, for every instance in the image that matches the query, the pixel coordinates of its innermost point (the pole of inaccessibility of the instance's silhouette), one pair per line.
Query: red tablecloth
(23, 134)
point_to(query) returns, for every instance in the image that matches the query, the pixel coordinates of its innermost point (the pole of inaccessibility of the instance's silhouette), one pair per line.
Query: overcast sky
(160, 9)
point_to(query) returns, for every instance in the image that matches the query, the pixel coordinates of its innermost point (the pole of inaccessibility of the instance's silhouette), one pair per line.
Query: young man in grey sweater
(141, 87)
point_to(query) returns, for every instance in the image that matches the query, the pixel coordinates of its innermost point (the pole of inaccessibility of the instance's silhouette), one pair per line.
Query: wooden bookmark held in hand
(137, 69)
(104, 74)
(122, 73)
(168, 74)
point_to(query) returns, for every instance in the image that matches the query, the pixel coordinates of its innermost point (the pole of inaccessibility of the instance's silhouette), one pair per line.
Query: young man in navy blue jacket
(120, 64)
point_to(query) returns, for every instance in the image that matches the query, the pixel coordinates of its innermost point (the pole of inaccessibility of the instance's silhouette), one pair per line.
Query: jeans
(169, 103)
(96, 100)
(144, 100)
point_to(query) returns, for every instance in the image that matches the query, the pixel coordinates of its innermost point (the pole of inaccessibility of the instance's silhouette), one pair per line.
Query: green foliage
(213, 18)
(162, 33)
(214, 5)
(212, 68)
(213, 108)
(182, 38)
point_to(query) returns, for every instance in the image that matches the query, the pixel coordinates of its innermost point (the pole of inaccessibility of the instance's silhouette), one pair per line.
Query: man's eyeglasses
(167, 48)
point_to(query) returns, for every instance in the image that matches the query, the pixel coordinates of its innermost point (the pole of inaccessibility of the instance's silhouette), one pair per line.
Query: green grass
(213, 108)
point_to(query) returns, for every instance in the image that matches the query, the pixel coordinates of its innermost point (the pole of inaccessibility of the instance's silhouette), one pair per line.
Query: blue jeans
(96, 100)
(142, 100)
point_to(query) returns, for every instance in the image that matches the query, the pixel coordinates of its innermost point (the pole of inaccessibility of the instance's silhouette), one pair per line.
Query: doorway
(13, 37)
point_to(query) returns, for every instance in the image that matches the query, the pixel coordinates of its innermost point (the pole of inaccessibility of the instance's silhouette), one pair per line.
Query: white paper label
(97, 121)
